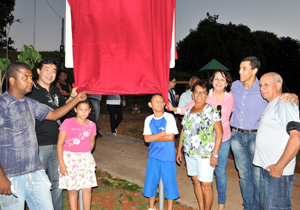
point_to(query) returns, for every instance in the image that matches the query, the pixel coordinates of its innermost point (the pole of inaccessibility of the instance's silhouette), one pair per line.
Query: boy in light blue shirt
(159, 130)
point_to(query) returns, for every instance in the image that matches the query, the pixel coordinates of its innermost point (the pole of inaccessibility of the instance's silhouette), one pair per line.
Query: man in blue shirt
(248, 108)
(22, 176)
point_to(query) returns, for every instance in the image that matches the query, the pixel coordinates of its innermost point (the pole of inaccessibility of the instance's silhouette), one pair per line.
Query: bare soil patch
(133, 125)
(115, 194)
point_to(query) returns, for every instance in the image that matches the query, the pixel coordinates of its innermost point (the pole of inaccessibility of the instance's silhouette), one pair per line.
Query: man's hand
(81, 96)
(275, 171)
(286, 97)
(74, 92)
(213, 161)
(4, 186)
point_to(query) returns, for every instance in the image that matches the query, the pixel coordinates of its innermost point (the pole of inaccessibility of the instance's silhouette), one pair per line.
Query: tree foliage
(229, 43)
(28, 55)
(6, 9)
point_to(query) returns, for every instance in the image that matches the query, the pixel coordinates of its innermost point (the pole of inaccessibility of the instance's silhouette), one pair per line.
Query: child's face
(83, 110)
(157, 103)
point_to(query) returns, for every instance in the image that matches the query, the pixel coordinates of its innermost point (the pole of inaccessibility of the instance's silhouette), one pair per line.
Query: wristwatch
(215, 155)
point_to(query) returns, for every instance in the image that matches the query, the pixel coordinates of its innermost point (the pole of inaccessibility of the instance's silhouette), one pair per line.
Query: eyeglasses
(219, 108)
(200, 92)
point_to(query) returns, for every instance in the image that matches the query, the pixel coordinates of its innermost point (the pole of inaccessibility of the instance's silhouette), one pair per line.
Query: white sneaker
(152, 209)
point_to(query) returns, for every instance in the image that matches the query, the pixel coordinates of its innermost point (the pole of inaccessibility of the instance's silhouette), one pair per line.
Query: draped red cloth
(122, 46)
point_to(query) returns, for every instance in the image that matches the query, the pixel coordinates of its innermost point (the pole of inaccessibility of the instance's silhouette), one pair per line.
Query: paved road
(126, 158)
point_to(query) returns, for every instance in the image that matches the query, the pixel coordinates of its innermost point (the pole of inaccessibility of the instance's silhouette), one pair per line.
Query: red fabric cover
(122, 46)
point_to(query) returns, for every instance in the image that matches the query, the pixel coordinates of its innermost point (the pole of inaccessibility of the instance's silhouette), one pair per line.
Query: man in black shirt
(46, 130)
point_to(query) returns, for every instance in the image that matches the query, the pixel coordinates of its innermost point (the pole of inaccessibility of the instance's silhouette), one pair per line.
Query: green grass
(134, 130)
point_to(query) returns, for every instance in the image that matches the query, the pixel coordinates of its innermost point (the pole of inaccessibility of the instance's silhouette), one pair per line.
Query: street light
(7, 33)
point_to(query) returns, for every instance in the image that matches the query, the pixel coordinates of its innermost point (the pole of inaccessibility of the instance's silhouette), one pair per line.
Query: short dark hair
(227, 77)
(13, 68)
(61, 71)
(47, 60)
(200, 83)
(171, 77)
(254, 62)
(155, 94)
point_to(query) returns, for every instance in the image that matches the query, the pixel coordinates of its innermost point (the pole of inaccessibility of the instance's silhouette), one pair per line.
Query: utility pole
(62, 46)
(7, 29)
(34, 17)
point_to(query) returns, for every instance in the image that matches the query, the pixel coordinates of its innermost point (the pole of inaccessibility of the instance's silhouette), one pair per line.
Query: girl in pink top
(221, 98)
(76, 163)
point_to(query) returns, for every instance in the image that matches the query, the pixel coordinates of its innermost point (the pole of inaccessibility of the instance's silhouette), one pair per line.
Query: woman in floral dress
(199, 144)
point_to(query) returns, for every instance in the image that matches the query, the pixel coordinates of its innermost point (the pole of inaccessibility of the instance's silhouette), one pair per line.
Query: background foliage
(229, 43)
(6, 9)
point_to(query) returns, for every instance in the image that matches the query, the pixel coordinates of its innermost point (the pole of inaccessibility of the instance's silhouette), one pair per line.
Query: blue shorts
(166, 170)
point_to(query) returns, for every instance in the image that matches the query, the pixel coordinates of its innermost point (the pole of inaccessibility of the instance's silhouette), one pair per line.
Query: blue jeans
(33, 187)
(48, 157)
(220, 171)
(96, 106)
(243, 146)
(275, 193)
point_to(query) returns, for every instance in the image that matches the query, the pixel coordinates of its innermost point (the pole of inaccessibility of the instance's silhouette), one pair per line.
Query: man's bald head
(270, 85)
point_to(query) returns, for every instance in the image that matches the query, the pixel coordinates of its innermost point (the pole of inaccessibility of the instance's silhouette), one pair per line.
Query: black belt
(244, 131)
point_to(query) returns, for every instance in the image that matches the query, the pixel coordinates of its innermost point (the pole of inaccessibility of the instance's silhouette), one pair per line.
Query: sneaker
(152, 209)
(115, 134)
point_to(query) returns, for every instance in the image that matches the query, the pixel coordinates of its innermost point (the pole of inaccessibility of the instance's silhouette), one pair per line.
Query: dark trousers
(114, 110)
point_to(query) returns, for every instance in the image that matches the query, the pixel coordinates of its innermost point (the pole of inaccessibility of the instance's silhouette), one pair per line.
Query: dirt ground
(116, 198)
(133, 125)
(115, 194)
